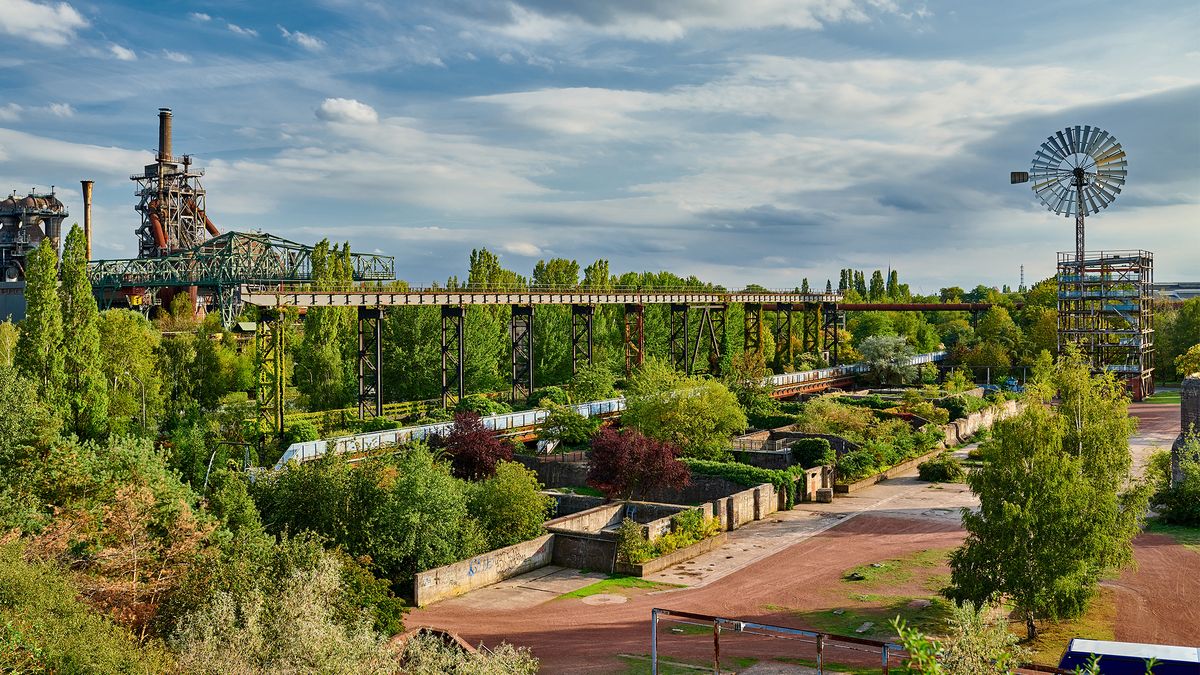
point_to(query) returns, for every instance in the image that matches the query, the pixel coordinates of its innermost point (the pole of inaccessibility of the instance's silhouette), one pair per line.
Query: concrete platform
(528, 590)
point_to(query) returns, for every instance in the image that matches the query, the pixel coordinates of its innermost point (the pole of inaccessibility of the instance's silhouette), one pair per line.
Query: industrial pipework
(171, 201)
(87, 215)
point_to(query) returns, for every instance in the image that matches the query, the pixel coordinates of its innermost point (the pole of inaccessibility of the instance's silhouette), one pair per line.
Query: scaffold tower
(1106, 307)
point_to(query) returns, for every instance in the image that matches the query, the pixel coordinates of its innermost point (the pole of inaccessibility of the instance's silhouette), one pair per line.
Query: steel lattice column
(581, 335)
(712, 326)
(269, 350)
(522, 352)
(370, 357)
(752, 336)
(784, 358)
(811, 332)
(678, 342)
(635, 337)
(453, 355)
(831, 318)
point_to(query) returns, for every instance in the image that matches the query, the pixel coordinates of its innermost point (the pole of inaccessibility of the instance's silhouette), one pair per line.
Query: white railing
(376, 440)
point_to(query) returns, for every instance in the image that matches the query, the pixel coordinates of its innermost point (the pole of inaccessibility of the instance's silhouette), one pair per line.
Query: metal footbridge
(526, 423)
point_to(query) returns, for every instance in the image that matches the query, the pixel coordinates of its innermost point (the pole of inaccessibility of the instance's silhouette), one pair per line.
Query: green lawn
(1098, 623)
(1171, 397)
(615, 584)
(1184, 535)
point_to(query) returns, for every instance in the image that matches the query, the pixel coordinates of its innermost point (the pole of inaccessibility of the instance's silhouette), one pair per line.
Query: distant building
(24, 223)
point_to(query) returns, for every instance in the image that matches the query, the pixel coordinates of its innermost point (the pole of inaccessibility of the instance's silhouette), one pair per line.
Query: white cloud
(121, 53)
(239, 30)
(51, 24)
(199, 16)
(522, 248)
(346, 110)
(177, 57)
(304, 40)
(10, 112)
(61, 110)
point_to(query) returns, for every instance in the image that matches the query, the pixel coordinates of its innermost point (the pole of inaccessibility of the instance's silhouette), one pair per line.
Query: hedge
(944, 468)
(784, 480)
(810, 452)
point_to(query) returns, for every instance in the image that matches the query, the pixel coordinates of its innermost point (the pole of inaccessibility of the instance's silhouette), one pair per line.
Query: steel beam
(453, 355)
(753, 328)
(269, 350)
(522, 352)
(370, 358)
(712, 326)
(784, 358)
(288, 297)
(635, 337)
(678, 338)
(581, 335)
(811, 332)
(831, 318)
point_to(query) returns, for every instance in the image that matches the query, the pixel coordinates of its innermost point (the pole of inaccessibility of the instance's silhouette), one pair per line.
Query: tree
(474, 449)
(565, 425)
(510, 505)
(1188, 363)
(877, 292)
(324, 360)
(1054, 510)
(129, 346)
(888, 357)
(996, 325)
(626, 464)
(8, 341)
(592, 382)
(87, 396)
(698, 415)
(39, 348)
(747, 379)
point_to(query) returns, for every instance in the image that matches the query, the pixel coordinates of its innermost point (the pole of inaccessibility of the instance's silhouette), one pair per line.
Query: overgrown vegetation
(687, 528)
(945, 468)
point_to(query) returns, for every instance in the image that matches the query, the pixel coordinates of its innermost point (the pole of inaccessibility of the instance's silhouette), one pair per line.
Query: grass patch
(1183, 535)
(1098, 623)
(616, 584)
(1167, 397)
(930, 620)
(895, 570)
(639, 664)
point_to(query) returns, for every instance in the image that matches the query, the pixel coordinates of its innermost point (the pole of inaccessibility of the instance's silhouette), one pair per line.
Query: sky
(758, 141)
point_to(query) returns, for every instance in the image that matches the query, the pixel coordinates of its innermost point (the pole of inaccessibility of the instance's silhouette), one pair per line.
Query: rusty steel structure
(171, 200)
(24, 223)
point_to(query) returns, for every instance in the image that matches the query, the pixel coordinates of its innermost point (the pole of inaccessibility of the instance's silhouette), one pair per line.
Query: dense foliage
(810, 452)
(1178, 501)
(699, 415)
(687, 528)
(625, 464)
(474, 450)
(1056, 476)
(945, 468)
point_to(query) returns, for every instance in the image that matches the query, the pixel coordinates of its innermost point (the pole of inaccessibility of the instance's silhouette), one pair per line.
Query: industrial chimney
(164, 134)
(87, 215)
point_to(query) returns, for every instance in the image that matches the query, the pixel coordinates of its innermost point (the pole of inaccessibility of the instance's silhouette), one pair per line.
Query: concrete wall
(1189, 421)
(764, 459)
(565, 505)
(590, 520)
(556, 474)
(840, 445)
(961, 431)
(585, 551)
(482, 570)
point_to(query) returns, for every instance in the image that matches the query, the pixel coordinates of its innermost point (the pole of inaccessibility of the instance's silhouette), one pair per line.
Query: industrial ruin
(24, 223)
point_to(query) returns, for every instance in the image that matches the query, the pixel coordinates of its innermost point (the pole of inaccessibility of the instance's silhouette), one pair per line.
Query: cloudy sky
(758, 140)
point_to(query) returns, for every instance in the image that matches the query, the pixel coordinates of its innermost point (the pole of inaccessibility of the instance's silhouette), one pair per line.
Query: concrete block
(825, 495)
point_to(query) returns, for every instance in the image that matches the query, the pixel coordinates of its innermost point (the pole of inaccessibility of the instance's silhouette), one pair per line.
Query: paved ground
(794, 560)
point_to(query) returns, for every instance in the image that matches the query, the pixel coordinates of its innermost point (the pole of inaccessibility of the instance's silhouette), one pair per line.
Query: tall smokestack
(164, 134)
(87, 215)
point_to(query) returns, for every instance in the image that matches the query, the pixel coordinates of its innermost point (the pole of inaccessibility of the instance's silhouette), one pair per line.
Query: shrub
(773, 421)
(509, 505)
(556, 395)
(427, 653)
(856, 464)
(625, 463)
(632, 546)
(687, 528)
(482, 406)
(593, 382)
(473, 448)
(378, 424)
(784, 480)
(825, 415)
(300, 432)
(566, 425)
(1178, 502)
(810, 452)
(945, 468)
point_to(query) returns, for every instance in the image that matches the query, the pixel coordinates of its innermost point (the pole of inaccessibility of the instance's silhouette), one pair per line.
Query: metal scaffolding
(1106, 308)
(522, 352)
(370, 358)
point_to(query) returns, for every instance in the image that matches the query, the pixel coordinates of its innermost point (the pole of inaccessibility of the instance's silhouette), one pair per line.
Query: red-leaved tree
(626, 464)
(473, 448)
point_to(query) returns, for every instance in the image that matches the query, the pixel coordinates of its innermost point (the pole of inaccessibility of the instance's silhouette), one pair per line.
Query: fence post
(820, 652)
(716, 648)
(885, 660)
(654, 641)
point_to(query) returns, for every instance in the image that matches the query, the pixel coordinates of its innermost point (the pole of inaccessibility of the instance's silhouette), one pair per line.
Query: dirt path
(1157, 601)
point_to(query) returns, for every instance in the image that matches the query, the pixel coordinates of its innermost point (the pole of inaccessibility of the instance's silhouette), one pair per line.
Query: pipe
(164, 134)
(87, 215)
(156, 228)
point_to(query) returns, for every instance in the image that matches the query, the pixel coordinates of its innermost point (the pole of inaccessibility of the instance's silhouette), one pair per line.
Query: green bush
(872, 401)
(1178, 502)
(378, 424)
(784, 480)
(567, 426)
(687, 528)
(945, 468)
(857, 464)
(300, 432)
(593, 382)
(51, 631)
(770, 421)
(482, 405)
(810, 452)
(553, 394)
(632, 546)
(509, 506)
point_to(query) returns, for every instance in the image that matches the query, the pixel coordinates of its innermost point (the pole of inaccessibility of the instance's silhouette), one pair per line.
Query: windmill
(1076, 172)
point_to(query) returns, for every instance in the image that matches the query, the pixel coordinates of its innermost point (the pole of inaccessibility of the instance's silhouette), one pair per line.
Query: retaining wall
(590, 520)
(565, 504)
(482, 570)
(554, 474)
(583, 551)
(1189, 421)
(663, 562)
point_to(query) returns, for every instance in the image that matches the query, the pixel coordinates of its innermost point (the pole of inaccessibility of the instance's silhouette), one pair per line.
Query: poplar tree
(38, 353)
(85, 395)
